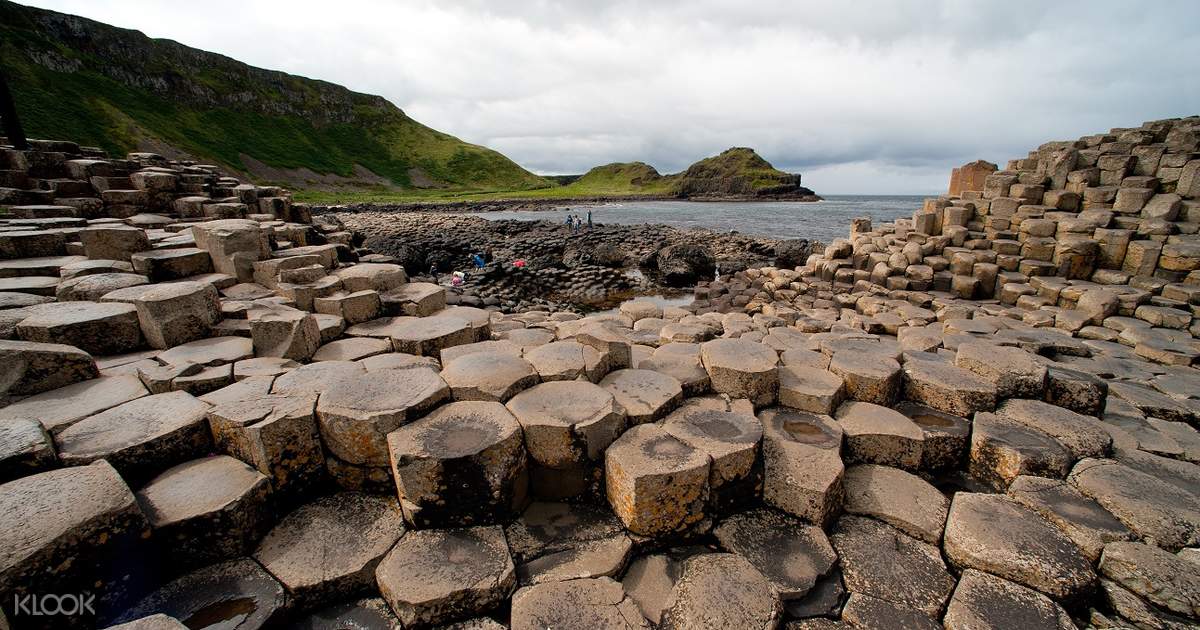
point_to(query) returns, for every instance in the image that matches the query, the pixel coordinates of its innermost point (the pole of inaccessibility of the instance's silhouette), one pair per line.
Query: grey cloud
(866, 94)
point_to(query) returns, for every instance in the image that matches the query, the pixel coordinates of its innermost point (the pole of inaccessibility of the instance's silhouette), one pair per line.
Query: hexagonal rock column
(722, 590)
(567, 361)
(277, 435)
(234, 244)
(25, 449)
(326, 551)
(426, 336)
(358, 411)
(1083, 520)
(1003, 449)
(609, 342)
(367, 612)
(206, 510)
(1014, 372)
(870, 376)
(60, 408)
(488, 376)
(140, 438)
(741, 369)
(947, 388)
(789, 553)
(1149, 506)
(172, 313)
(161, 265)
(880, 561)
(1166, 580)
(996, 534)
(113, 242)
(656, 483)
(156, 621)
(415, 299)
(810, 389)
(238, 589)
(586, 603)
(567, 426)
(982, 600)
(645, 395)
(552, 542)
(93, 327)
(802, 467)
(1082, 435)
(947, 436)
(732, 441)
(878, 435)
(380, 277)
(28, 367)
(436, 577)
(462, 464)
(285, 333)
(900, 499)
(85, 514)
(355, 307)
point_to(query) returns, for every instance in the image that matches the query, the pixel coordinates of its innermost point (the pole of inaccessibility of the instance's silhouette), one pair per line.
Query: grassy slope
(89, 107)
(739, 170)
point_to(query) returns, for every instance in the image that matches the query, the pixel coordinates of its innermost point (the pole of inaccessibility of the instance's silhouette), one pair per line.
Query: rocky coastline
(583, 269)
(500, 205)
(217, 408)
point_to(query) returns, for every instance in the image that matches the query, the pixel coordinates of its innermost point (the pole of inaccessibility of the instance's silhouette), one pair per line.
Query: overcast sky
(859, 97)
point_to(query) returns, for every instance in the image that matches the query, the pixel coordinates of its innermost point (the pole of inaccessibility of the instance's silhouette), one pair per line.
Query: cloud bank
(860, 97)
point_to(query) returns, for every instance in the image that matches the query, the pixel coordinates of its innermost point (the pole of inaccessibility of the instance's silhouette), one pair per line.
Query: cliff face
(118, 89)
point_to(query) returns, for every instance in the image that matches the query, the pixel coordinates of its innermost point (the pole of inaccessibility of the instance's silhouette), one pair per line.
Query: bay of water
(821, 220)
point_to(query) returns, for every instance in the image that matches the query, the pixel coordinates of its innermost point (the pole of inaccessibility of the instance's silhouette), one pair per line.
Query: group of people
(575, 222)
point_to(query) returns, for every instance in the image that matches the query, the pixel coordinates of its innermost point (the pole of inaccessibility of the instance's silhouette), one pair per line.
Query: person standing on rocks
(478, 260)
(589, 219)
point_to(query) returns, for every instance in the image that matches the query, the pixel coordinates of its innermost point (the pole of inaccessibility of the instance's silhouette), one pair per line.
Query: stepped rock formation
(970, 176)
(217, 407)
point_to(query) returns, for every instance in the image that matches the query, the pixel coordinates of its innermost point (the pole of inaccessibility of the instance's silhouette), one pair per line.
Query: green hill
(77, 79)
(626, 178)
(737, 172)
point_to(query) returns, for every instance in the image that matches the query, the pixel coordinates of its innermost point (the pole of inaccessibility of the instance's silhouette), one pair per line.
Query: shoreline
(502, 205)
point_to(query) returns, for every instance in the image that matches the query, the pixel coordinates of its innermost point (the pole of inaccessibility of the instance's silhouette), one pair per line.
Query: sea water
(820, 220)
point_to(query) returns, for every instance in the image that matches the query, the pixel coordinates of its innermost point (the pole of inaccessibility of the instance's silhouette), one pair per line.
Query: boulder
(682, 264)
(31, 368)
